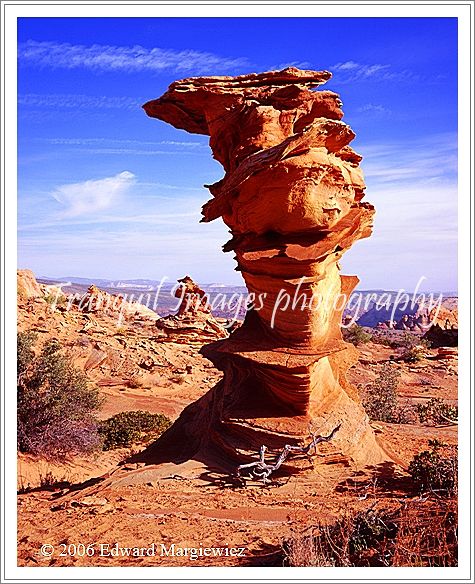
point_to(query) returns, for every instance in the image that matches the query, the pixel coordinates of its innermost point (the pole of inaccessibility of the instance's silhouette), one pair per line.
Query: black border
(3, 274)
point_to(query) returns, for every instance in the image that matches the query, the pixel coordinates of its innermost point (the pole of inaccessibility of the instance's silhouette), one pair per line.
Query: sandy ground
(210, 510)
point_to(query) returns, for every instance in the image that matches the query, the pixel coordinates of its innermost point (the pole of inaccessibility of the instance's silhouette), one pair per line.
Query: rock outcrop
(193, 321)
(292, 198)
(27, 286)
(101, 302)
(443, 331)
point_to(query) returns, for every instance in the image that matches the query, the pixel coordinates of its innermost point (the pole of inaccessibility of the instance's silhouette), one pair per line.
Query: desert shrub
(356, 335)
(25, 350)
(435, 469)
(413, 348)
(364, 538)
(56, 404)
(405, 413)
(127, 428)
(413, 355)
(49, 480)
(437, 411)
(380, 397)
(417, 534)
(381, 338)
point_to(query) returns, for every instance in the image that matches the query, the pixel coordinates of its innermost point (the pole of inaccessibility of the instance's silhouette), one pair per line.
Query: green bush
(435, 469)
(380, 398)
(25, 350)
(413, 348)
(356, 335)
(127, 428)
(364, 538)
(56, 404)
(413, 355)
(437, 411)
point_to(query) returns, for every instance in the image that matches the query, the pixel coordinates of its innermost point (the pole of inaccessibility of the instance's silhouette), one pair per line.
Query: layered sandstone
(193, 321)
(292, 197)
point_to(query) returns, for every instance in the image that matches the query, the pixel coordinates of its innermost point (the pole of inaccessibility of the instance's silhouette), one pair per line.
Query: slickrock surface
(188, 504)
(292, 198)
(97, 301)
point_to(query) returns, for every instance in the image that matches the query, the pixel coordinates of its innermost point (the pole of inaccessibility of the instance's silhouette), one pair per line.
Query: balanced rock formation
(193, 321)
(292, 197)
(192, 298)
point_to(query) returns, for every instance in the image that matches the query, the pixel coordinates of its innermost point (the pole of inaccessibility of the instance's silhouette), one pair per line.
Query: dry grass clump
(419, 533)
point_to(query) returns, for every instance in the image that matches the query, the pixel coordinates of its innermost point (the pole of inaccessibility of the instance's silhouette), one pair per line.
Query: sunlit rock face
(292, 198)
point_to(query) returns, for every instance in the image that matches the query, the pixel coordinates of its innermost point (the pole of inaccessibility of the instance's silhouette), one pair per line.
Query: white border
(245, 9)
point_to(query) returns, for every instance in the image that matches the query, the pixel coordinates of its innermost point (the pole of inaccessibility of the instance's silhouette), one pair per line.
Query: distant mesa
(417, 316)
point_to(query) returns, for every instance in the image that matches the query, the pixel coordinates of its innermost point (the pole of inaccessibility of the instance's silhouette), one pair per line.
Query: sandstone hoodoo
(193, 321)
(292, 197)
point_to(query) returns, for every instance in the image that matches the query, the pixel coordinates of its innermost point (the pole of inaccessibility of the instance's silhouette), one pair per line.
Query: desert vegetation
(403, 515)
(128, 428)
(56, 402)
(435, 470)
(58, 407)
(413, 534)
(437, 411)
(381, 401)
(356, 334)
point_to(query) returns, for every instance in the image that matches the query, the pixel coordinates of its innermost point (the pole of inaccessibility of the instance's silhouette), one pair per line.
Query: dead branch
(261, 470)
(452, 422)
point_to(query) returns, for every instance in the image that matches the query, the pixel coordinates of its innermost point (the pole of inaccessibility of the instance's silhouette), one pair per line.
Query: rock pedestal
(292, 197)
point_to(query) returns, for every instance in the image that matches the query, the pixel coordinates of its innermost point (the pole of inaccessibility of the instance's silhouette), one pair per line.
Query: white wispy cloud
(111, 141)
(92, 196)
(123, 58)
(424, 161)
(75, 101)
(111, 146)
(298, 64)
(374, 109)
(135, 151)
(352, 72)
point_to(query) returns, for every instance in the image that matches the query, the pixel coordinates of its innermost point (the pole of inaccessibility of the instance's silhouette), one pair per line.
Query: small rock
(59, 507)
(92, 501)
(104, 509)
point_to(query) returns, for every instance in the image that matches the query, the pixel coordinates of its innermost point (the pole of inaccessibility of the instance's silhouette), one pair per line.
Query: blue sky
(105, 191)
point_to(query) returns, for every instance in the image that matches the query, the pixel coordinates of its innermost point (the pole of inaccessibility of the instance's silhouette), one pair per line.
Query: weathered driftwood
(261, 470)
